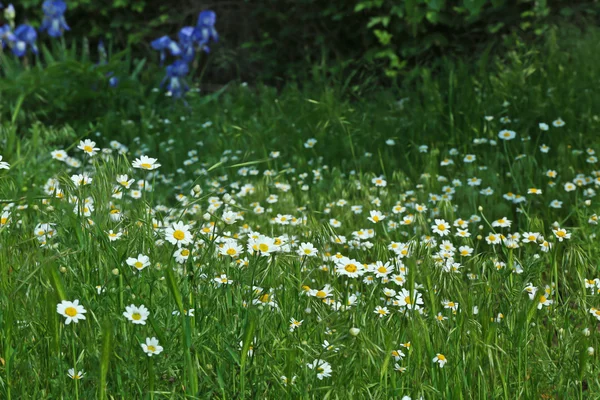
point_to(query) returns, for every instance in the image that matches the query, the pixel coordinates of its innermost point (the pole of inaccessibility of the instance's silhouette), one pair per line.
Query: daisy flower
(307, 250)
(375, 216)
(222, 280)
(4, 164)
(76, 375)
(72, 311)
(561, 234)
(506, 134)
(440, 359)
(137, 315)
(179, 234)
(544, 301)
(323, 368)
(59, 155)
(138, 263)
(382, 311)
(405, 300)
(502, 222)
(294, 324)
(124, 181)
(89, 147)
(151, 347)
(441, 227)
(145, 162)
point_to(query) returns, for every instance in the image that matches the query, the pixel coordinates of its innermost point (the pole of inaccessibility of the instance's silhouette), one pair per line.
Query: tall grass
(236, 343)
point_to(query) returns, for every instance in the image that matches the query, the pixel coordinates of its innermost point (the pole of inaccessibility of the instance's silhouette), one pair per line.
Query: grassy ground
(478, 280)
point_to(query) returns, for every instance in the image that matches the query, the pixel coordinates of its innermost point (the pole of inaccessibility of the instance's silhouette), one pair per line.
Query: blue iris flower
(174, 79)
(186, 42)
(25, 36)
(205, 29)
(113, 81)
(6, 36)
(54, 20)
(163, 44)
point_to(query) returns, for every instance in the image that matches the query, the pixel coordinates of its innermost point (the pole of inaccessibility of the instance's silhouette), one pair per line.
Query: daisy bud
(206, 217)
(588, 202)
(480, 227)
(115, 271)
(354, 331)
(508, 174)
(479, 237)
(480, 208)
(62, 269)
(197, 189)
(586, 332)
(307, 310)
(590, 351)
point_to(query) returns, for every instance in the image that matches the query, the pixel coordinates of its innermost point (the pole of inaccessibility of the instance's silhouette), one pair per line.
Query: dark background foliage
(275, 41)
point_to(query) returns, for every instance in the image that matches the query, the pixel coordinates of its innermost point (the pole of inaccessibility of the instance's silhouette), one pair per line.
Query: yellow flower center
(407, 300)
(382, 269)
(231, 251)
(146, 165)
(543, 299)
(185, 252)
(179, 235)
(441, 357)
(71, 311)
(263, 247)
(151, 349)
(441, 227)
(139, 265)
(351, 268)
(321, 294)
(264, 298)
(88, 149)
(136, 316)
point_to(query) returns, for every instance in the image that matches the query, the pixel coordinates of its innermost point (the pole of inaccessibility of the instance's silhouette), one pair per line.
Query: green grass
(498, 344)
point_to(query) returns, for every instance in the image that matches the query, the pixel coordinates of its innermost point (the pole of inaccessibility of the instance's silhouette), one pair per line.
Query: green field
(435, 241)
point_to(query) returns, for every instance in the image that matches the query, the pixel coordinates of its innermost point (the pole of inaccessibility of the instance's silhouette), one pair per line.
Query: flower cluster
(24, 37)
(190, 40)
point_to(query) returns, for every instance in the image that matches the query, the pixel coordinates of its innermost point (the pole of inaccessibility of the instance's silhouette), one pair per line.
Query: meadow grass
(477, 279)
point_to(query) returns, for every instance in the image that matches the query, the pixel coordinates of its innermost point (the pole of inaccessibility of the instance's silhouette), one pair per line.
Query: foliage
(282, 40)
(236, 345)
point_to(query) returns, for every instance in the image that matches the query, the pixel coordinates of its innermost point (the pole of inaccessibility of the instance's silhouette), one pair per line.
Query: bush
(279, 40)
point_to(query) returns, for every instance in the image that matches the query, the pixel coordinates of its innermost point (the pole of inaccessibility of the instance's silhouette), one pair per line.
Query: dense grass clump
(435, 243)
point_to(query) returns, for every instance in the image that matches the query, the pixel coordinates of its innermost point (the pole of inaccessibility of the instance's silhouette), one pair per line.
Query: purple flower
(186, 43)
(176, 85)
(25, 36)
(205, 29)
(54, 21)
(6, 36)
(163, 44)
